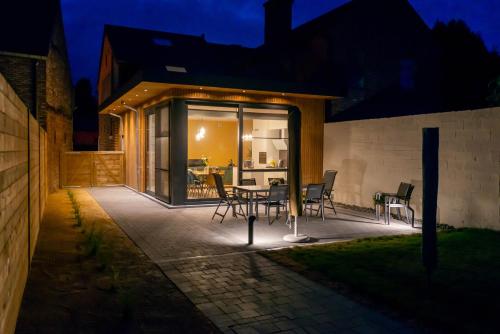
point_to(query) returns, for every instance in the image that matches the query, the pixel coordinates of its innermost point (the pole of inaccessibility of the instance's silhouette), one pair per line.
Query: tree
(467, 66)
(85, 117)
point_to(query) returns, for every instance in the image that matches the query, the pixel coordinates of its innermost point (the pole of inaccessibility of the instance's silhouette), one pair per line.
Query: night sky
(231, 21)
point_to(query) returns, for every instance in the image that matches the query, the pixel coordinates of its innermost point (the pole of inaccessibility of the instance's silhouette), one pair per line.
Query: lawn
(387, 271)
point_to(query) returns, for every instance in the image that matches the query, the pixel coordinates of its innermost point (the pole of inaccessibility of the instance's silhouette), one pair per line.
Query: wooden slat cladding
(23, 193)
(88, 169)
(108, 169)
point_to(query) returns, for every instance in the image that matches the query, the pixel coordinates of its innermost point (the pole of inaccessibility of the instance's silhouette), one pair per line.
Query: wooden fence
(92, 169)
(23, 193)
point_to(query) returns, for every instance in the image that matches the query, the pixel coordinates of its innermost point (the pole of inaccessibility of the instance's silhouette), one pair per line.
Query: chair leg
(213, 216)
(412, 217)
(322, 210)
(225, 213)
(407, 217)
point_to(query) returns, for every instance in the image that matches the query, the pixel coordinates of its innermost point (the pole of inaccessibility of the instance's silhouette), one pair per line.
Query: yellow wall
(220, 143)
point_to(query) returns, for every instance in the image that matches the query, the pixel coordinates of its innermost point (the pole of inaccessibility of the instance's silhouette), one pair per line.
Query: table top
(253, 189)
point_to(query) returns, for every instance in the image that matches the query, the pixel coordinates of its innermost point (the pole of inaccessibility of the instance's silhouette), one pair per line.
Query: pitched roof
(26, 26)
(144, 47)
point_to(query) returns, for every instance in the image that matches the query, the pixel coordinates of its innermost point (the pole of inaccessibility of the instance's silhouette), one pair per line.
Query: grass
(465, 294)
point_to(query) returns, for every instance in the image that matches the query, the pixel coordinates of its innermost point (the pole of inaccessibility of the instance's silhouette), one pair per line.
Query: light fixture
(145, 90)
(201, 134)
(244, 91)
(247, 137)
(201, 88)
(136, 95)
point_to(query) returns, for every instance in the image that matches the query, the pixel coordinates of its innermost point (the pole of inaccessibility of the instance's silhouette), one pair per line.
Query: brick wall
(109, 133)
(22, 196)
(375, 155)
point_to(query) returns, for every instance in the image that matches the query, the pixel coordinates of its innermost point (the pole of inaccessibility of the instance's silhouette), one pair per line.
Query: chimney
(278, 22)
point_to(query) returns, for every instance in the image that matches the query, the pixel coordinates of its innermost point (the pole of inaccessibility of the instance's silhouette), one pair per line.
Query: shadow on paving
(120, 290)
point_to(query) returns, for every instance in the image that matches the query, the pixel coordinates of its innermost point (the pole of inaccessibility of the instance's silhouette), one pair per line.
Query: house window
(407, 74)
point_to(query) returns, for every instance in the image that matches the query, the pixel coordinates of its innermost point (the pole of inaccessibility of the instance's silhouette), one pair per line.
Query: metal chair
(275, 180)
(248, 182)
(228, 198)
(329, 180)
(194, 184)
(314, 195)
(400, 200)
(277, 198)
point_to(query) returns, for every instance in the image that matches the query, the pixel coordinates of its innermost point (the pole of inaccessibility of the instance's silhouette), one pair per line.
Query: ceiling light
(145, 90)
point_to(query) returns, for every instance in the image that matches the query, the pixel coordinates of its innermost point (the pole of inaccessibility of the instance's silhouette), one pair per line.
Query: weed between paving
(80, 283)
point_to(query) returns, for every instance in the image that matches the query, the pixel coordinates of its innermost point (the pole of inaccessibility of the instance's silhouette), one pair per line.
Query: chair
(248, 182)
(314, 195)
(277, 198)
(195, 186)
(400, 200)
(210, 186)
(275, 180)
(329, 180)
(228, 198)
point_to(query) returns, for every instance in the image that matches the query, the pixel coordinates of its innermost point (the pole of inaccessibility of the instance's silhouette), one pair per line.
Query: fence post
(430, 177)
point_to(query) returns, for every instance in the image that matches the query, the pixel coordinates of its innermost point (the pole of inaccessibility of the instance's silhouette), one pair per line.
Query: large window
(162, 153)
(150, 152)
(265, 145)
(212, 148)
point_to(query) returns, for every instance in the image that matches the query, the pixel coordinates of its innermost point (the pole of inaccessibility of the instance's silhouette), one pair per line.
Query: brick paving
(239, 290)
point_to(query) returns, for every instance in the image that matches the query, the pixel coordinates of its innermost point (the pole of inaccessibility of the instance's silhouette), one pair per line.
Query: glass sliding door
(162, 152)
(212, 147)
(150, 151)
(265, 145)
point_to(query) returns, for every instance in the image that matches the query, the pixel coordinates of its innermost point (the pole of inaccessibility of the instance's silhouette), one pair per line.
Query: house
(33, 58)
(181, 107)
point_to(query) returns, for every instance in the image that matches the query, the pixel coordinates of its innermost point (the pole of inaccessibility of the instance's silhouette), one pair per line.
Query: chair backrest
(315, 191)
(248, 182)
(219, 184)
(275, 180)
(329, 180)
(278, 192)
(404, 191)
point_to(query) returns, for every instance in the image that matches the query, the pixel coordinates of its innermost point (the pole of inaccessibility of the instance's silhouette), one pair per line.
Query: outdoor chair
(275, 180)
(400, 200)
(277, 198)
(228, 199)
(314, 196)
(329, 180)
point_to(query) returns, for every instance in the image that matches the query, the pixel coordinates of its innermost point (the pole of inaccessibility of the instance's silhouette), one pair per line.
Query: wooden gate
(92, 169)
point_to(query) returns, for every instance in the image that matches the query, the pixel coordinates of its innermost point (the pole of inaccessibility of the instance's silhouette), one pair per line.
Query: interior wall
(220, 143)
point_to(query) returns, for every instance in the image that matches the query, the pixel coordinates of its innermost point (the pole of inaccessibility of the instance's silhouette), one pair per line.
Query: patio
(238, 289)
(188, 232)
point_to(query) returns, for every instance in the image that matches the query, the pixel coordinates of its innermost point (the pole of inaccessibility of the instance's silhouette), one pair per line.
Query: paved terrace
(239, 290)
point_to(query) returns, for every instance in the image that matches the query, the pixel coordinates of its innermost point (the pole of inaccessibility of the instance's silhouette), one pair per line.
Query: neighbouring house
(85, 118)
(181, 107)
(34, 60)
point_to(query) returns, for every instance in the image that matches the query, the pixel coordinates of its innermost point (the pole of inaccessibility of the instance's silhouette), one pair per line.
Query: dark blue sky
(231, 21)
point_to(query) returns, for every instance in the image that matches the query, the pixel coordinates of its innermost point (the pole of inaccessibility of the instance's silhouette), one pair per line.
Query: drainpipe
(122, 148)
(137, 145)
